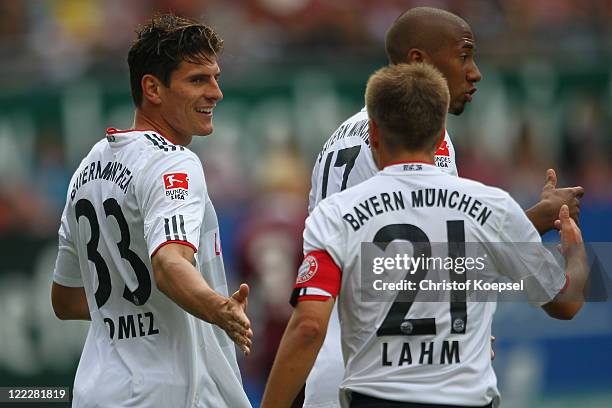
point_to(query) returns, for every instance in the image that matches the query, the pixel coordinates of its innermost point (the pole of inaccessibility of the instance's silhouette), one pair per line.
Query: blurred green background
(293, 70)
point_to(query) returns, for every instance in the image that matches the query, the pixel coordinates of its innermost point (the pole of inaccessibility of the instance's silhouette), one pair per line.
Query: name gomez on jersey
(428, 352)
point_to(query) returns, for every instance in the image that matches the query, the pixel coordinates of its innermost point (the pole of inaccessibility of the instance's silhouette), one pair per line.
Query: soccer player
(139, 250)
(407, 105)
(440, 38)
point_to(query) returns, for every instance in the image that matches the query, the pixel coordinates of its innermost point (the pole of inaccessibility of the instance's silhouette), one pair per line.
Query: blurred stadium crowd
(545, 101)
(85, 33)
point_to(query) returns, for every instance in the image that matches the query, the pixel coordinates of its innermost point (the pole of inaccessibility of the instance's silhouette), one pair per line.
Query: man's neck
(144, 121)
(405, 157)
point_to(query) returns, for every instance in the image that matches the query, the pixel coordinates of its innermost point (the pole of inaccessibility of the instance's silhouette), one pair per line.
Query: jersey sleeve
(172, 197)
(314, 184)
(523, 257)
(445, 157)
(320, 274)
(67, 271)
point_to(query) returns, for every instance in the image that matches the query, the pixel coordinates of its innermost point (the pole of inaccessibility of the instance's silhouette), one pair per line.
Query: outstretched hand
(544, 213)
(568, 230)
(233, 319)
(569, 196)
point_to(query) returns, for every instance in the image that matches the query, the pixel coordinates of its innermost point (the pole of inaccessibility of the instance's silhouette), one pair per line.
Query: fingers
(234, 321)
(245, 342)
(242, 294)
(564, 219)
(551, 180)
(564, 215)
(569, 232)
(578, 191)
(239, 326)
(241, 335)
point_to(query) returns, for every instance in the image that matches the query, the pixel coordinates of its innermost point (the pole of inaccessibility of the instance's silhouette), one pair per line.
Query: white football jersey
(451, 362)
(134, 192)
(345, 161)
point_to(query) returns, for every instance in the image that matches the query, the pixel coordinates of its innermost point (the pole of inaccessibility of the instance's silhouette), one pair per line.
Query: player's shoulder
(360, 116)
(153, 154)
(156, 148)
(480, 189)
(355, 194)
(351, 132)
(145, 138)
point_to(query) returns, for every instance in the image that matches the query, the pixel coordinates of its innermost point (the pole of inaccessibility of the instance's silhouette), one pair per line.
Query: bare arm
(69, 303)
(567, 304)
(544, 213)
(178, 279)
(297, 352)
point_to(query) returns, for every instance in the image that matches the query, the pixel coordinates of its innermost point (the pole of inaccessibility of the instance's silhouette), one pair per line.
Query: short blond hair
(409, 103)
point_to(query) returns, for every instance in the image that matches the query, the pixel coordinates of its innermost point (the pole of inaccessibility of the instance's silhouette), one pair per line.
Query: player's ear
(151, 87)
(416, 55)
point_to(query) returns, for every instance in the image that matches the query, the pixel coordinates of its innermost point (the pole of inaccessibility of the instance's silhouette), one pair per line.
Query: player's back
(345, 161)
(430, 352)
(142, 349)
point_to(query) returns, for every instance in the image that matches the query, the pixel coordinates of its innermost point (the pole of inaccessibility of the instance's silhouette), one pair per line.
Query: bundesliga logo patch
(443, 155)
(443, 149)
(307, 270)
(176, 185)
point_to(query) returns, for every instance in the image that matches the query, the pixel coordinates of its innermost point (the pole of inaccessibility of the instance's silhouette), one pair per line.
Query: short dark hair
(408, 102)
(426, 28)
(163, 43)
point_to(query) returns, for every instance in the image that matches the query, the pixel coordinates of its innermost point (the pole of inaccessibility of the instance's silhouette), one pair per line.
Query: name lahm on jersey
(130, 326)
(372, 206)
(432, 197)
(116, 172)
(359, 129)
(425, 353)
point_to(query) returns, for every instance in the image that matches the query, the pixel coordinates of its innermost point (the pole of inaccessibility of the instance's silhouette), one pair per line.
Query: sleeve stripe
(174, 235)
(160, 139)
(183, 233)
(152, 140)
(162, 144)
(175, 228)
(167, 228)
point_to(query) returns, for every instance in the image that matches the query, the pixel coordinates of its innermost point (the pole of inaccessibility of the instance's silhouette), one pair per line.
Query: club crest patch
(307, 270)
(176, 185)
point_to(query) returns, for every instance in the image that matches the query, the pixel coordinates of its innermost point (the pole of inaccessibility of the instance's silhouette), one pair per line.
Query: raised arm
(178, 279)
(570, 300)
(544, 213)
